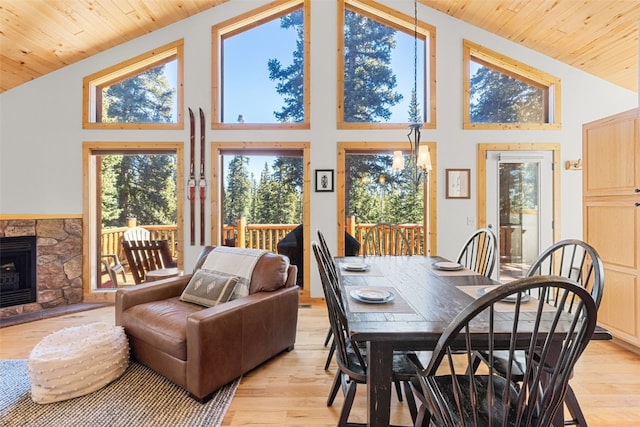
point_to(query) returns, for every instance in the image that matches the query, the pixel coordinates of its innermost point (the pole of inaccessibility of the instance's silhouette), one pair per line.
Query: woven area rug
(140, 397)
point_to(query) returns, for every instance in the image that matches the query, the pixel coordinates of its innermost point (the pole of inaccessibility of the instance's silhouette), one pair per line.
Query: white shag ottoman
(76, 361)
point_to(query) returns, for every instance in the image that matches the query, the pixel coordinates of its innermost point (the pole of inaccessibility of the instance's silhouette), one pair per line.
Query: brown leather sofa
(203, 348)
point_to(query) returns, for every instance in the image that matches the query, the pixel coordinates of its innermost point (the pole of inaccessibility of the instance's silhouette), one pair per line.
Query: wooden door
(611, 183)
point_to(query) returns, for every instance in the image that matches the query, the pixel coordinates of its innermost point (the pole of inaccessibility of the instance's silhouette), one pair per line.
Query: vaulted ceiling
(41, 36)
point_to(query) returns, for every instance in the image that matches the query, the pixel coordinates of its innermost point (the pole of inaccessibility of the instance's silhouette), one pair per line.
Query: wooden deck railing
(112, 238)
(413, 232)
(267, 236)
(255, 236)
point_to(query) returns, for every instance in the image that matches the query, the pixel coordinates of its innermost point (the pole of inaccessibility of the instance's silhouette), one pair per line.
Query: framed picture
(324, 180)
(458, 183)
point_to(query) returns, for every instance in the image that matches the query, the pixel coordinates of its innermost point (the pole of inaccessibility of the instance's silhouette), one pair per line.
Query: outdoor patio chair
(112, 266)
(385, 239)
(146, 255)
(137, 233)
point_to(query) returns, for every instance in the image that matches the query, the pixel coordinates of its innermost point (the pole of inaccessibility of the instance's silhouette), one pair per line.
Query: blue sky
(248, 90)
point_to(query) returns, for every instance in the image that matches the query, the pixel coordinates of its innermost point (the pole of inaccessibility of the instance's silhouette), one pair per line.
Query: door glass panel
(135, 190)
(262, 199)
(375, 193)
(519, 217)
(519, 207)
(263, 203)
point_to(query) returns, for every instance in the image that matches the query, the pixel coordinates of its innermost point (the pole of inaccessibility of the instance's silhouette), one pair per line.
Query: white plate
(355, 266)
(448, 266)
(355, 294)
(372, 294)
(511, 298)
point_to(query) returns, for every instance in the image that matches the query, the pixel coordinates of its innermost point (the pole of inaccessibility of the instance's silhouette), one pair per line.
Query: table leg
(379, 380)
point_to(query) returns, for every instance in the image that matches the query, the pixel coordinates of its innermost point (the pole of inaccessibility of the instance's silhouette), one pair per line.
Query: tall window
(370, 192)
(269, 86)
(501, 93)
(387, 67)
(144, 92)
(262, 189)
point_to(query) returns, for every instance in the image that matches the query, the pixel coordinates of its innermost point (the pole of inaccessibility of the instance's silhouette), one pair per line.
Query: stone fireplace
(17, 270)
(58, 263)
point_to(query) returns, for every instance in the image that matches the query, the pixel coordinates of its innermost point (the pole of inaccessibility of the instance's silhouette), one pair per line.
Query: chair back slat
(575, 260)
(385, 239)
(347, 352)
(479, 252)
(146, 255)
(553, 339)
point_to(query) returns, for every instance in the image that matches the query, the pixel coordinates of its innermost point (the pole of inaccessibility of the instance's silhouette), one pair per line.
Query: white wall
(41, 131)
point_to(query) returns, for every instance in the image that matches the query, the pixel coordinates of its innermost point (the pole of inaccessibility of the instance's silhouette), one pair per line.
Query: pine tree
(141, 186)
(111, 210)
(236, 197)
(499, 98)
(369, 82)
(145, 189)
(144, 98)
(291, 79)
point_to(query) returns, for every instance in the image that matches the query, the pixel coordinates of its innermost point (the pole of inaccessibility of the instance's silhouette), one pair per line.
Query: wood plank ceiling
(41, 36)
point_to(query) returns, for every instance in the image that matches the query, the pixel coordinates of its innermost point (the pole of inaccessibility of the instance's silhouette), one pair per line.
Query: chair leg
(411, 401)
(332, 350)
(571, 401)
(349, 397)
(337, 381)
(329, 335)
(398, 390)
(423, 418)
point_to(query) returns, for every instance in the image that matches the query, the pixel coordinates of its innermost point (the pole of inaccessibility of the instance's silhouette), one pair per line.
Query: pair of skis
(202, 183)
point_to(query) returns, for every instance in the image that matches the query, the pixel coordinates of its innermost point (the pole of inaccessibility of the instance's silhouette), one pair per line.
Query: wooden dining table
(425, 302)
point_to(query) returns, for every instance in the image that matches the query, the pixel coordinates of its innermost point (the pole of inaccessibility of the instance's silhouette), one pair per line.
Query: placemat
(397, 305)
(474, 291)
(373, 270)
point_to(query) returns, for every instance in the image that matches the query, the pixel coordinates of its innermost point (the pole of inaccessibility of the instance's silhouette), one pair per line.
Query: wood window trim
(93, 83)
(550, 85)
(370, 147)
(266, 148)
(482, 177)
(400, 22)
(92, 148)
(247, 21)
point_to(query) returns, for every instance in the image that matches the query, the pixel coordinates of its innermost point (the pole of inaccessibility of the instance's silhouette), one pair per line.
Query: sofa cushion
(270, 273)
(161, 324)
(209, 289)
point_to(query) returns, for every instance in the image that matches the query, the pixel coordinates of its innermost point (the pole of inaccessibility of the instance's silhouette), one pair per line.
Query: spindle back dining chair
(453, 395)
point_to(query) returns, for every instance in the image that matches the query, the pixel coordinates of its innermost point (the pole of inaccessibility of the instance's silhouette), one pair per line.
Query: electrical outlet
(471, 221)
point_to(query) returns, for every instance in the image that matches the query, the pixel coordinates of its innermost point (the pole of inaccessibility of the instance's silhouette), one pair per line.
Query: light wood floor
(291, 390)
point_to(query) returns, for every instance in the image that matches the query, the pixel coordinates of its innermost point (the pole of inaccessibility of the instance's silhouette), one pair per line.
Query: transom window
(386, 65)
(502, 93)
(142, 93)
(260, 68)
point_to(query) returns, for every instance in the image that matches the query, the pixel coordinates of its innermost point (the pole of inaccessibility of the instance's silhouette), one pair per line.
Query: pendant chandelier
(419, 156)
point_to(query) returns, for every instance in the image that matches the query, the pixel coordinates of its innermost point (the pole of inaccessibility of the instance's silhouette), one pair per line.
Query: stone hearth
(59, 261)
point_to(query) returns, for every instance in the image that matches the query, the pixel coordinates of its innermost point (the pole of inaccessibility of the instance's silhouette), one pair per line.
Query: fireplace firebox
(17, 270)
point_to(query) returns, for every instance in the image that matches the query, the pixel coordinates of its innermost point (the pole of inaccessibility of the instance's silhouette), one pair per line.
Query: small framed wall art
(458, 183)
(324, 180)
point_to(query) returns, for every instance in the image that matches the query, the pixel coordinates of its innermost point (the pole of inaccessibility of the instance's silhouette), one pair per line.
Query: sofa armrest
(292, 276)
(147, 292)
(239, 335)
